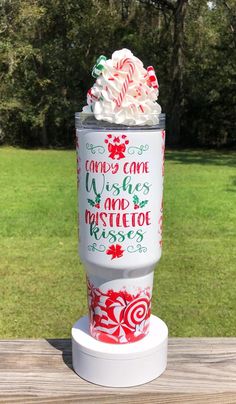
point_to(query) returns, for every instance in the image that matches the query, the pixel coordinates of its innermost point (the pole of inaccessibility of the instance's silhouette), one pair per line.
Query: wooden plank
(200, 370)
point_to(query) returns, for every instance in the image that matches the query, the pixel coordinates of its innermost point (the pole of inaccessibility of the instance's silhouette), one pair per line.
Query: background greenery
(42, 283)
(48, 47)
(47, 50)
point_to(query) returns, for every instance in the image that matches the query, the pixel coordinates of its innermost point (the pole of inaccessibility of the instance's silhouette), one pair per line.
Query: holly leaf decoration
(143, 203)
(115, 250)
(98, 198)
(91, 202)
(136, 199)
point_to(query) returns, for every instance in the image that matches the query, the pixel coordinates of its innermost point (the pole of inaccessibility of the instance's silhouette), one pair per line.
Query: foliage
(210, 75)
(43, 288)
(48, 47)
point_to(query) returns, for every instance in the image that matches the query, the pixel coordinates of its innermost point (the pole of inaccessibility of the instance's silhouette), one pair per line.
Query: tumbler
(120, 192)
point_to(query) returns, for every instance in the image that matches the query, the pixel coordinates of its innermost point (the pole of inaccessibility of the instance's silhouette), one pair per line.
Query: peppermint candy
(99, 66)
(118, 316)
(152, 77)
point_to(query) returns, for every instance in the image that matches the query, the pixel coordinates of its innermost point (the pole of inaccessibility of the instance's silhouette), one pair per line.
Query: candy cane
(152, 77)
(127, 81)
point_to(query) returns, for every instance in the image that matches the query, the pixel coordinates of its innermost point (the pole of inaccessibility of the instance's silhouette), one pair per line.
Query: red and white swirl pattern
(136, 311)
(119, 317)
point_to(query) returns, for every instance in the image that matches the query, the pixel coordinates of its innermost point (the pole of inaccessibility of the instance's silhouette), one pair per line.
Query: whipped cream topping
(124, 92)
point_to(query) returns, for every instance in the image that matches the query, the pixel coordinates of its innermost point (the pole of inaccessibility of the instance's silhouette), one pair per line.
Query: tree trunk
(176, 97)
(44, 135)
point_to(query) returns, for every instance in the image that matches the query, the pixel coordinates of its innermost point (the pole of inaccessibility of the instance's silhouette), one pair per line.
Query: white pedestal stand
(119, 365)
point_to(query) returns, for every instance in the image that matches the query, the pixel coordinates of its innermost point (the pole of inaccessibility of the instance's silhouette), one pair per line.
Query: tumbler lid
(87, 120)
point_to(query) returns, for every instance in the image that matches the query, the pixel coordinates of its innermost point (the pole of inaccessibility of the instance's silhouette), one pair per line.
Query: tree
(176, 98)
(18, 21)
(48, 47)
(210, 76)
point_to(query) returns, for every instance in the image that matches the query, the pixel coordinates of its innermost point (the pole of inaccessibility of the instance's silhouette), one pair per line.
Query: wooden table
(200, 370)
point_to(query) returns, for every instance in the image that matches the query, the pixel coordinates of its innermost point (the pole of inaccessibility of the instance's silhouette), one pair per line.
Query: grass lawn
(42, 282)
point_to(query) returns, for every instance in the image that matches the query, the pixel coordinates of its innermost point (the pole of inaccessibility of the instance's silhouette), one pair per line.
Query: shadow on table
(208, 157)
(63, 345)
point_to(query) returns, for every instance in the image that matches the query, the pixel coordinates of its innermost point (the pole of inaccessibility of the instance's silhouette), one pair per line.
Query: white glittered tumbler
(120, 175)
(120, 147)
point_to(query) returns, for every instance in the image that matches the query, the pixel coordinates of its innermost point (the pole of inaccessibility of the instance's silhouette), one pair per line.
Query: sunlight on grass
(42, 282)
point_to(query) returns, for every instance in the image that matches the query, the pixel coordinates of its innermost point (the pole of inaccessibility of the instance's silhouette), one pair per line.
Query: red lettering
(102, 216)
(111, 215)
(118, 224)
(113, 219)
(91, 217)
(133, 219)
(148, 219)
(141, 219)
(102, 167)
(125, 168)
(125, 220)
(116, 204)
(136, 167)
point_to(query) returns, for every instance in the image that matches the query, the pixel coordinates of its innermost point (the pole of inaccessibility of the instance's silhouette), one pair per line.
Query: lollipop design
(119, 317)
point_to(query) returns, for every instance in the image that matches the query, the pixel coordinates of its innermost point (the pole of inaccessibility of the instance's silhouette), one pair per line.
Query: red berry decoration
(138, 203)
(96, 203)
